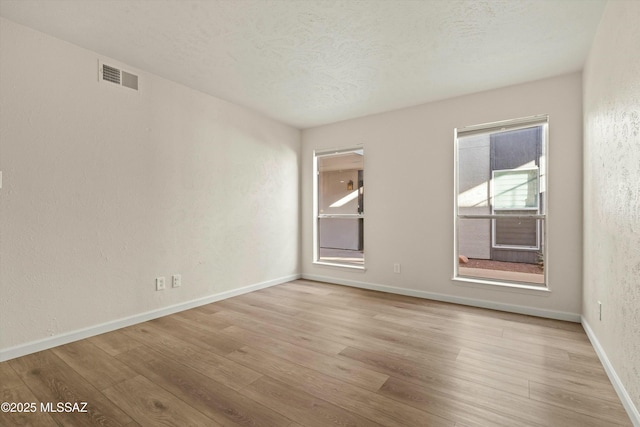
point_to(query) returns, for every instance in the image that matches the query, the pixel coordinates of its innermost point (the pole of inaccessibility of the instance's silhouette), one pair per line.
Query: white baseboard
(632, 411)
(65, 338)
(531, 311)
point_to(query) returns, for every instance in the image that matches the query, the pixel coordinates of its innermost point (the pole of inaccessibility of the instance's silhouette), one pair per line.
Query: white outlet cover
(160, 285)
(176, 280)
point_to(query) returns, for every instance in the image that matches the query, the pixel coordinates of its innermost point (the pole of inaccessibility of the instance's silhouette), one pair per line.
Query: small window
(515, 189)
(339, 208)
(515, 192)
(500, 202)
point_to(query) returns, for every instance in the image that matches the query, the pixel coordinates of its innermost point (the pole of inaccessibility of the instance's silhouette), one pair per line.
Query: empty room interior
(183, 232)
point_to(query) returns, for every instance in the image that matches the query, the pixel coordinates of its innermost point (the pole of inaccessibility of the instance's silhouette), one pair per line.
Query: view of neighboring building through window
(500, 203)
(339, 208)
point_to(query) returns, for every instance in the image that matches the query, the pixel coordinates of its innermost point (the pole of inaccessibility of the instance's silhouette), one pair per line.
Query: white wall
(105, 188)
(409, 215)
(612, 191)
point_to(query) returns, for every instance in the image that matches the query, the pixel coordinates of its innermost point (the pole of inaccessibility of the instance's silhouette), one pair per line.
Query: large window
(500, 202)
(339, 207)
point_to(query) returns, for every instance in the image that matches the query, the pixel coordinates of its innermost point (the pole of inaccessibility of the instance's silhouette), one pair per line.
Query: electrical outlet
(599, 310)
(160, 285)
(176, 281)
(396, 268)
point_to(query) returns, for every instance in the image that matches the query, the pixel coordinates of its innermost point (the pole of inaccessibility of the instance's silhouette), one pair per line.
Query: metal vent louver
(118, 76)
(110, 74)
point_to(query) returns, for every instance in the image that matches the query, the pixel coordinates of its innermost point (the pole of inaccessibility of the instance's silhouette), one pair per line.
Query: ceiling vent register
(117, 76)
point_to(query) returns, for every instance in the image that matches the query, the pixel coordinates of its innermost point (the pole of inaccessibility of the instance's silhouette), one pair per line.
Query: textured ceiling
(308, 63)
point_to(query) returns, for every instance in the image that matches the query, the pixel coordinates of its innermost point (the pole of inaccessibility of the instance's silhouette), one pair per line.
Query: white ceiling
(308, 63)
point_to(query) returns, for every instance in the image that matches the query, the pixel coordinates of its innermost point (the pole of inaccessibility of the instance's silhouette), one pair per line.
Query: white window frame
(317, 215)
(514, 124)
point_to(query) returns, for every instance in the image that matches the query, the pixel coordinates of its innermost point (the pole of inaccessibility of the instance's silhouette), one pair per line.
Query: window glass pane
(340, 184)
(341, 240)
(478, 259)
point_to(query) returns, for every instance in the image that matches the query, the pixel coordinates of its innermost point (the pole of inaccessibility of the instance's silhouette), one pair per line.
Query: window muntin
(500, 202)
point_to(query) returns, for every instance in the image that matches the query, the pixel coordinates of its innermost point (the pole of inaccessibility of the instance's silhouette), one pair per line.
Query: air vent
(110, 74)
(129, 80)
(117, 76)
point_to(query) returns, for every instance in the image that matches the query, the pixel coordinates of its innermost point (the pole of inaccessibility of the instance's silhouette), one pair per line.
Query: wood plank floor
(313, 354)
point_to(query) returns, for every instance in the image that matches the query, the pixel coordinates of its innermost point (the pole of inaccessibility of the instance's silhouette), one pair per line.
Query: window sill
(348, 266)
(503, 286)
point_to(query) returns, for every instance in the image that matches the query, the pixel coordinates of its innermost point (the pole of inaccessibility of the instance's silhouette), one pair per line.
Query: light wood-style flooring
(312, 354)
